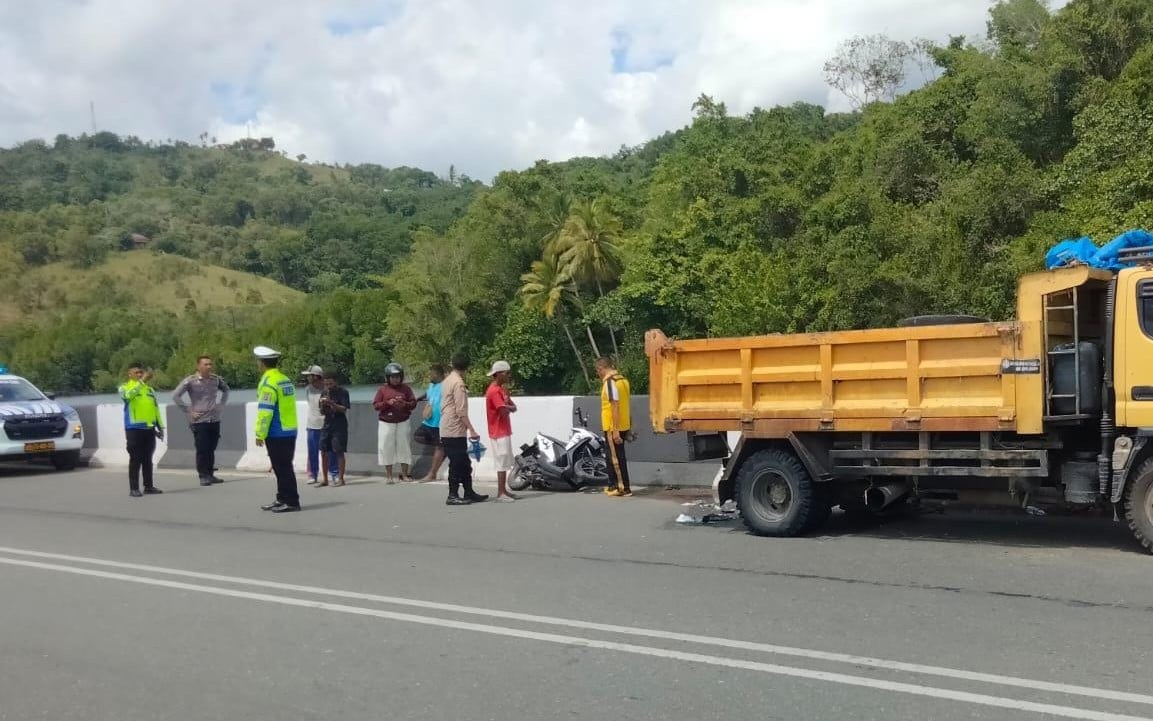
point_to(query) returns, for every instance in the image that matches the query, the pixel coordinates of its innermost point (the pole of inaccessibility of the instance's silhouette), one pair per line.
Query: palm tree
(556, 208)
(588, 248)
(548, 289)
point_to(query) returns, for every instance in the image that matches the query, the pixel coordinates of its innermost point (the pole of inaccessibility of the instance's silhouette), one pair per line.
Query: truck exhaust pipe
(878, 498)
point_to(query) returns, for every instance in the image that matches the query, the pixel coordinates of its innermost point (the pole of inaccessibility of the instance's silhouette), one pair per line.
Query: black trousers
(206, 436)
(141, 445)
(618, 466)
(459, 465)
(280, 455)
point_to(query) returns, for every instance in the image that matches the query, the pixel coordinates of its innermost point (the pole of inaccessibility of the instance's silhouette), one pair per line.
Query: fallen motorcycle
(548, 464)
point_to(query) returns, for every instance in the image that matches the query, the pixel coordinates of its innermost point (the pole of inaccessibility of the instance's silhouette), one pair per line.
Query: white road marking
(774, 669)
(886, 664)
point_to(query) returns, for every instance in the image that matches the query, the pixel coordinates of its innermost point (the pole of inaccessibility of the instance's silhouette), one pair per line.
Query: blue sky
(625, 58)
(366, 17)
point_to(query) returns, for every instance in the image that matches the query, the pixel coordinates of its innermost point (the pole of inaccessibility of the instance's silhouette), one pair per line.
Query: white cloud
(482, 85)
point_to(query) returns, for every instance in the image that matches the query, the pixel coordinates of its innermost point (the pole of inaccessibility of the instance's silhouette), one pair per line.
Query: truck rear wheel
(776, 496)
(1139, 505)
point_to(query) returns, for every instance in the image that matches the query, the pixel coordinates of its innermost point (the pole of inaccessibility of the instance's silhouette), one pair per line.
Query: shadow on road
(322, 505)
(25, 469)
(994, 527)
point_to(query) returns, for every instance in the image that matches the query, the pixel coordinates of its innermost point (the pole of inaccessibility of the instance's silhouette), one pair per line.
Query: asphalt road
(379, 602)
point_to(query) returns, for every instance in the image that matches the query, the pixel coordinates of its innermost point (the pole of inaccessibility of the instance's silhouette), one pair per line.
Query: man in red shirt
(499, 405)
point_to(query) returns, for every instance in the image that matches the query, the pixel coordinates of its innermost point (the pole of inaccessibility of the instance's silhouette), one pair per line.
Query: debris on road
(702, 512)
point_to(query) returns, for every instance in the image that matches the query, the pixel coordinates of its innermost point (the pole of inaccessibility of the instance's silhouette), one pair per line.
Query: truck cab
(36, 427)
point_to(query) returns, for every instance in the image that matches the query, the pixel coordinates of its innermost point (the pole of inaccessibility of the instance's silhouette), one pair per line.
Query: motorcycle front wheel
(518, 480)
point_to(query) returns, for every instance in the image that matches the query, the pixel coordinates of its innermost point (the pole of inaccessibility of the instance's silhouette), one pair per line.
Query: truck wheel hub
(779, 494)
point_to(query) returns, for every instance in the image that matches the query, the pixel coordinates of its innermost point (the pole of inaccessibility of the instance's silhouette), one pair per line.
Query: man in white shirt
(315, 424)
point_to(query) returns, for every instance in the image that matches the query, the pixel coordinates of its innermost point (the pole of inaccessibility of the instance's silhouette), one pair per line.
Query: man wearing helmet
(394, 403)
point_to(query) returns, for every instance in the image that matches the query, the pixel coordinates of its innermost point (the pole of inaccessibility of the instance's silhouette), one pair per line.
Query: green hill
(244, 206)
(160, 282)
(236, 235)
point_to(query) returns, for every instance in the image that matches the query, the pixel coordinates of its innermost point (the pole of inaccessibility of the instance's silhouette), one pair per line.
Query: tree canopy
(787, 219)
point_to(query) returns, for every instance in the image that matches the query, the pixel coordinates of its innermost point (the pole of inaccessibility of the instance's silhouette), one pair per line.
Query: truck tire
(776, 495)
(922, 320)
(66, 460)
(1139, 505)
(823, 508)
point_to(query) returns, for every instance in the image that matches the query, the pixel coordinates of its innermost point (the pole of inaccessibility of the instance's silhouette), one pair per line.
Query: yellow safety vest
(276, 406)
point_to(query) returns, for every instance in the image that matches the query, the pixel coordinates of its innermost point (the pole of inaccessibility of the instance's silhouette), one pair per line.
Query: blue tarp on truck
(1083, 251)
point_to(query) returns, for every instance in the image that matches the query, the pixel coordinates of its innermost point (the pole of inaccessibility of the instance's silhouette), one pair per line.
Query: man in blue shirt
(429, 431)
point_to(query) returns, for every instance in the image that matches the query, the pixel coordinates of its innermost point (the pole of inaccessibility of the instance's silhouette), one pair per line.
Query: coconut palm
(556, 208)
(588, 245)
(588, 248)
(548, 288)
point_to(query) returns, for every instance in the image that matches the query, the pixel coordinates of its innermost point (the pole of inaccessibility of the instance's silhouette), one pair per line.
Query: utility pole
(92, 112)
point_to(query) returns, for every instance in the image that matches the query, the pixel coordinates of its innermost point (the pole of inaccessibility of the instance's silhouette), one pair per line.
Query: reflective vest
(276, 406)
(615, 388)
(141, 411)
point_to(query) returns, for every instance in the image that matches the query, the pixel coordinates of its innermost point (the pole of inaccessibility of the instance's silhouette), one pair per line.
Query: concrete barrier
(653, 459)
(182, 448)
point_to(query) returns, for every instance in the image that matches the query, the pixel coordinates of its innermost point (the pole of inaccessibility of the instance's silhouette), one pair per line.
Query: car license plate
(45, 447)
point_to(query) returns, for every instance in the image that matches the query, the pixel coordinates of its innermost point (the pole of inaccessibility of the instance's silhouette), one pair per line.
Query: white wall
(112, 450)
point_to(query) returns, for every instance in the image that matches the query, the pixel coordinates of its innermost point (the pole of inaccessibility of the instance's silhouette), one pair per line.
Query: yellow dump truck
(1055, 406)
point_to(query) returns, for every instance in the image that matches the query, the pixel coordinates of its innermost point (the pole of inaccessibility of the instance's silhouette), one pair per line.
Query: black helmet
(393, 369)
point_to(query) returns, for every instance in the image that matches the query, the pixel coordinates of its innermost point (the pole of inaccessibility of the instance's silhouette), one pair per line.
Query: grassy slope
(175, 281)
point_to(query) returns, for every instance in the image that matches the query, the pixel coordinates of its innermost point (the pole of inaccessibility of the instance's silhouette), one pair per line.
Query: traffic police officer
(276, 427)
(143, 426)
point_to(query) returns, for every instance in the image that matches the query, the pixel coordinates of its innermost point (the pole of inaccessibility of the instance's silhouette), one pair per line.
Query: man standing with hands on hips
(207, 393)
(276, 428)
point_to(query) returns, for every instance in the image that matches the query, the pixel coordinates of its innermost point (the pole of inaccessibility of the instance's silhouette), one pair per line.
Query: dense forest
(781, 220)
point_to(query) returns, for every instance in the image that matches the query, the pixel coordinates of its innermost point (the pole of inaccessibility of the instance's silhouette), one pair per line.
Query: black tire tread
(1134, 506)
(806, 496)
(822, 508)
(66, 460)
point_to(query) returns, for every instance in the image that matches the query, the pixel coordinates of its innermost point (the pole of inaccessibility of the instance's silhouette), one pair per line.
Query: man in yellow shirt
(617, 424)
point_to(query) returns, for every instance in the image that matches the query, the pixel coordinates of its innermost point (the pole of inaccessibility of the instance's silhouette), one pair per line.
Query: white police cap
(262, 351)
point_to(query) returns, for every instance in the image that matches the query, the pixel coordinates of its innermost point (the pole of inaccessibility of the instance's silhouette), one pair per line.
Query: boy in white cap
(500, 406)
(314, 424)
(276, 427)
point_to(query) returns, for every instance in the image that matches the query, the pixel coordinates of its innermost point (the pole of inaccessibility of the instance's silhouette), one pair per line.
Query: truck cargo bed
(917, 378)
(958, 377)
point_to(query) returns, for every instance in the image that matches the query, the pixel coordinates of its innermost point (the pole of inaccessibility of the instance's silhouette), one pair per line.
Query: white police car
(33, 426)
